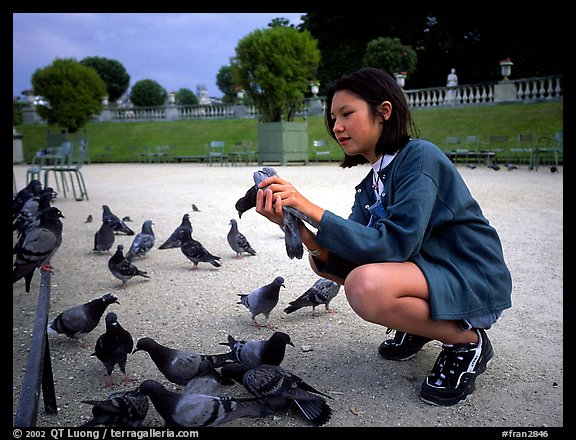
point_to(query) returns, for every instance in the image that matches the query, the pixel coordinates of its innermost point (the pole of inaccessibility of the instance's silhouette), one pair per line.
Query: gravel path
(335, 352)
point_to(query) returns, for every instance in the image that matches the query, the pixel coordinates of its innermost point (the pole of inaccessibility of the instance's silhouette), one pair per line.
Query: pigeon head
(279, 281)
(281, 338)
(144, 344)
(110, 298)
(111, 319)
(51, 213)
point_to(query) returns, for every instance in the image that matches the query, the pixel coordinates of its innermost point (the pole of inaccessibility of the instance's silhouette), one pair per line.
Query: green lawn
(124, 141)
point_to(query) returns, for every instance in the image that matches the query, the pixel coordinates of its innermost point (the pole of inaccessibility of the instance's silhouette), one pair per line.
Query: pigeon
(282, 387)
(89, 219)
(122, 268)
(30, 212)
(292, 217)
(79, 320)
(117, 225)
(262, 300)
(142, 243)
(472, 167)
(194, 410)
(126, 219)
(104, 237)
(238, 241)
(180, 366)
(510, 167)
(494, 166)
(39, 245)
(322, 292)
(553, 169)
(113, 346)
(174, 241)
(122, 409)
(256, 352)
(195, 208)
(32, 189)
(209, 381)
(196, 252)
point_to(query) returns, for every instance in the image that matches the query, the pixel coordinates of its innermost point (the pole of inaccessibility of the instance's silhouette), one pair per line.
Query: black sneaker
(402, 347)
(454, 374)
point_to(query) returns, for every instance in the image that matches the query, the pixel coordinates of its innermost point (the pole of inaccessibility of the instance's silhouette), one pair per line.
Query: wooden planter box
(283, 142)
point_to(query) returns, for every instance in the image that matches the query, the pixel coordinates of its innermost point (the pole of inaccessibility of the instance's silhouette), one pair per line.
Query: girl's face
(356, 129)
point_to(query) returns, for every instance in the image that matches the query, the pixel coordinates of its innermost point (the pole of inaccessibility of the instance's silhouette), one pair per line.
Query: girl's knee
(362, 288)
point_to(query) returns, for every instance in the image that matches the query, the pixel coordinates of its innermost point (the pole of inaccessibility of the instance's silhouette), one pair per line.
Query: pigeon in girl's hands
(122, 268)
(113, 348)
(179, 366)
(196, 252)
(117, 225)
(282, 387)
(192, 410)
(254, 352)
(238, 241)
(262, 300)
(122, 409)
(39, 245)
(142, 243)
(104, 237)
(175, 239)
(79, 320)
(322, 292)
(291, 216)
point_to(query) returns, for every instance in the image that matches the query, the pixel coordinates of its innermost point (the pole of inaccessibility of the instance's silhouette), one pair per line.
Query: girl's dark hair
(374, 86)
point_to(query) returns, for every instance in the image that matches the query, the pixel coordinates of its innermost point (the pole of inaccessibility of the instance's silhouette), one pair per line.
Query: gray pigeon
(256, 352)
(238, 241)
(281, 387)
(40, 244)
(196, 252)
(179, 366)
(122, 268)
(208, 382)
(142, 243)
(79, 320)
(29, 216)
(122, 409)
(32, 189)
(262, 300)
(194, 410)
(113, 347)
(117, 225)
(174, 241)
(104, 237)
(322, 292)
(292, 217)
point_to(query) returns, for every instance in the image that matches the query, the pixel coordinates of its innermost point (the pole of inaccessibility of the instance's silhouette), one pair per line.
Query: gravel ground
(335, 352)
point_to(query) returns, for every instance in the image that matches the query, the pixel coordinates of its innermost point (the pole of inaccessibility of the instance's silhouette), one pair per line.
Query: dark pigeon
(142, 243)
(282, 387)
(113, 347)
(262, 300)
(117, 225)
(79, 320)
(122, 409)
(195, 410)
(256, 352)
(175, 240)
(238, 241)
(39, 245)
(104, 237)
(196, 252)
(322, 292)
(179, 366)
(123, 269)
(29, 216)
(32, 189)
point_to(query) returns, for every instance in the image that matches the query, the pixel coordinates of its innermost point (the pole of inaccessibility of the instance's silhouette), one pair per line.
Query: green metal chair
(73, 172)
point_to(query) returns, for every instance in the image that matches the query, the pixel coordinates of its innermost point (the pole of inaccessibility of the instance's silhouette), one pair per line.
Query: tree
(274, 66)
(226, 84)
(186, 97)
(391, 55)
(73, 93)
(148, 93)
(112, 73)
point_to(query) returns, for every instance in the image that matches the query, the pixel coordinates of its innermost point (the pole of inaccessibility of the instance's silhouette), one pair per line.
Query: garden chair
(74, 172)
(217, 152)
(321, 149)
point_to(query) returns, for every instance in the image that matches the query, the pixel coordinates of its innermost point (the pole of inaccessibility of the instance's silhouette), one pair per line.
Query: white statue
(452, 78)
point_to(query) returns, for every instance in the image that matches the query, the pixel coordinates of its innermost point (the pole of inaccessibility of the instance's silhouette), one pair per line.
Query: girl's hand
(270, 206)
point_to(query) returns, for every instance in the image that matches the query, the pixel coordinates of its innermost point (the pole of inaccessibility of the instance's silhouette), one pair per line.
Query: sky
(177, 50)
